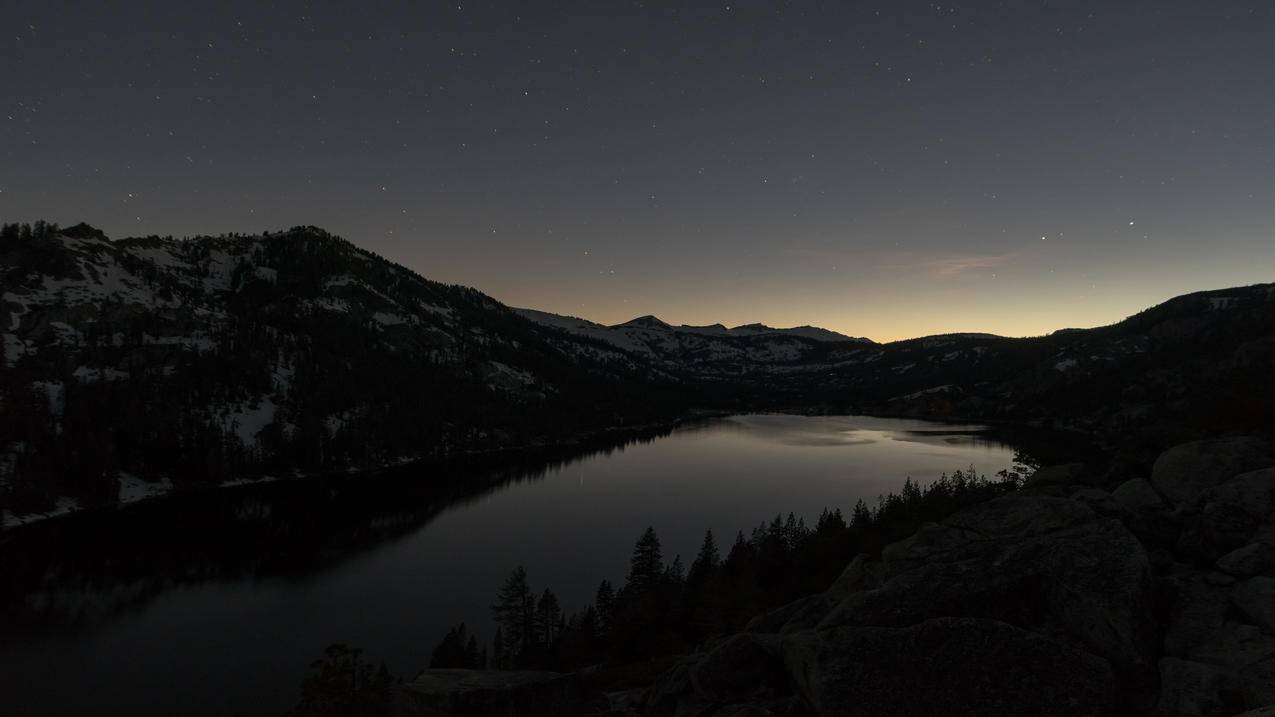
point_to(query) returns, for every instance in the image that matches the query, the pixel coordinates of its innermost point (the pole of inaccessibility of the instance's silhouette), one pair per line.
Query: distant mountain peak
(84, 231)
(649, 322)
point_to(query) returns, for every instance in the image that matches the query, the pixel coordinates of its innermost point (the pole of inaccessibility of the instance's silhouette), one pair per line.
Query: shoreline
(10, 524)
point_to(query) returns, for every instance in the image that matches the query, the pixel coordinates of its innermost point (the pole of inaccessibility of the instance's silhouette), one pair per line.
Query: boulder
(745, 666)
(1252, 559)
(969, 532)
(1231, 513)
(1259, 712)
(1240, 656)
(1038, 563)
(861, 574)
(1183, 472)
(1255, 598)
(773, 621)
(948, 666)
(1062, 474)
(499, 693)
(1194, 611)
(1098, 500)
(1138, 496)
(1147, 514)
(663, 696)
(1190, 689)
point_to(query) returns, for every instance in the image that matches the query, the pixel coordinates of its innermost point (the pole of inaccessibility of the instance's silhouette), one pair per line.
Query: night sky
(886, 169)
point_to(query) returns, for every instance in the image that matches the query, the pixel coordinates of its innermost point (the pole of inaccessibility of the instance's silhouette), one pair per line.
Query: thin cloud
(961, 265)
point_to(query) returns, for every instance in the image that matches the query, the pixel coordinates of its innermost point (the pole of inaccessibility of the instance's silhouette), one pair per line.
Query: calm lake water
(215, 604)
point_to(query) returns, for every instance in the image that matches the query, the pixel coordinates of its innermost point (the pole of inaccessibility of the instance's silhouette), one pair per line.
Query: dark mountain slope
(1195, 365)
(155, 359)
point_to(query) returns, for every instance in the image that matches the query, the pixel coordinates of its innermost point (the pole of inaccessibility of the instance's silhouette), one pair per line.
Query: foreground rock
(491, 693)
(1183, 472)
(949, 666)
(1027, 604)
(1035, 604)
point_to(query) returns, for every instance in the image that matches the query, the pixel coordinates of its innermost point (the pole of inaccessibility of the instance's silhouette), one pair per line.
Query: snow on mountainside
(710, 350)
(206, 359)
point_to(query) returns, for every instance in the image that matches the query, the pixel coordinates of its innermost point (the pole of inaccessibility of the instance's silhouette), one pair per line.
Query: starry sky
(884, 169)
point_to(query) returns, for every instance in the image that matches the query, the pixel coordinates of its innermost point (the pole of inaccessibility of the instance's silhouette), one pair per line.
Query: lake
(223, 614)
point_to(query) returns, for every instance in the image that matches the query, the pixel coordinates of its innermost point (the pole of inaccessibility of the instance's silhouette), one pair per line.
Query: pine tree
(675, 574)
(498, 660)
(647, 564)
(707, 560)
(861, 517)
(830, 522)
(605, 602)
(741, 550)
(548, 617)
(515, 612)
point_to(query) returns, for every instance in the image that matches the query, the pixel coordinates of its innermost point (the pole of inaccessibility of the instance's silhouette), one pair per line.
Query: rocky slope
(1156, 597)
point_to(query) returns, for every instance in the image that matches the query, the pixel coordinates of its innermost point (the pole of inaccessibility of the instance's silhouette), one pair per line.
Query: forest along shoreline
(1071, 590)
(1043, 438)
(326, 518)
(329, 514)
(583, 442)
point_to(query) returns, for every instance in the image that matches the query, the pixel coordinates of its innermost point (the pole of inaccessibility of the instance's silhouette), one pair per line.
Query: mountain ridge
(142, 364)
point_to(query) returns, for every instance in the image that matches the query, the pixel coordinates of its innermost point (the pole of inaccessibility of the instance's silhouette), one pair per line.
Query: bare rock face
(1040, 563)
(1255, 598)
(1252, 559)
(742, 667)
(1138, 495)
(1231, 513)
(1191, 689)
(1058, 479)
(861, 574)
(494, 693)
(1026, 604)
(1218, 601)
(947, 666)
(1183, 472)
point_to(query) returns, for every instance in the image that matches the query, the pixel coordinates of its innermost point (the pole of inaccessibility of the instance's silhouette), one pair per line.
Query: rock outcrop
(1155, 598)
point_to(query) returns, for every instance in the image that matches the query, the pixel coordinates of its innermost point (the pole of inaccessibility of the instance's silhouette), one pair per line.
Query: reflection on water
(214, 603)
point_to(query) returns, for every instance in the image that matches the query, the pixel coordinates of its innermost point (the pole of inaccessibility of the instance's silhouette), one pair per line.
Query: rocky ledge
(1154, 597)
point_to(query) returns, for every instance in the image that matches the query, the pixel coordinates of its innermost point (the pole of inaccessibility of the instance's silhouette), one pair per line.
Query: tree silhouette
(707, 560)
(548, 617)
(604, 600)
(459, 649)
(341, 686)
(515, 612)
(646, 567)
